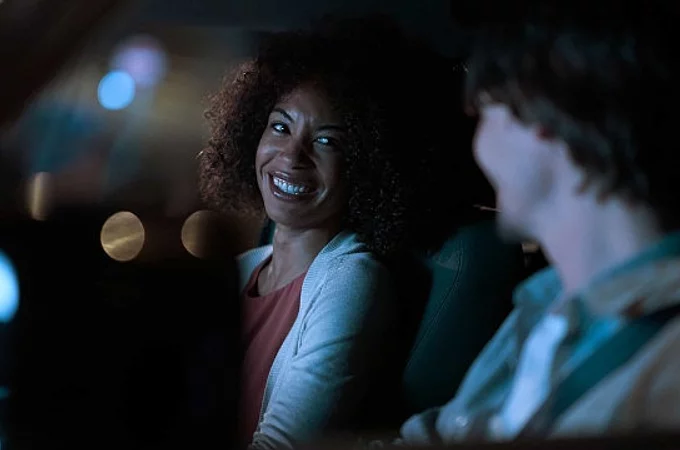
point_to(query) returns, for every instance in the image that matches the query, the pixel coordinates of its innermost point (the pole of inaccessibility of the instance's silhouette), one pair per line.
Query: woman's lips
(288, 189)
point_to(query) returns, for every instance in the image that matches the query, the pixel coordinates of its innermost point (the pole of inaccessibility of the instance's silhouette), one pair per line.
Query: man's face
(518, 164)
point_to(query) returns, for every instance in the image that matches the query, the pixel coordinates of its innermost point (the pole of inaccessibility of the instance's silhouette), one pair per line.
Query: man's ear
(560, 150)
(585, 181)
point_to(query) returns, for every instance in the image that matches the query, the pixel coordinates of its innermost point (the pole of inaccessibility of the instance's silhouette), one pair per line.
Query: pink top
(267, 320)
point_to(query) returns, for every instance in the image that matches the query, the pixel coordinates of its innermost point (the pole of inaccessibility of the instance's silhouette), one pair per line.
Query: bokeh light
(142, 57)
(9, 289)
(116, 90)
(122, 236)
(39, 195)
(194, 233)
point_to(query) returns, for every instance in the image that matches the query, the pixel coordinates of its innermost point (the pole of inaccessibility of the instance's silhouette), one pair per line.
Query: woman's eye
(279, 127)
(323, 140)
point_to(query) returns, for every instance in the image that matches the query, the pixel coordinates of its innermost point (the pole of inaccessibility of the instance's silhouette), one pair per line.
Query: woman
(334, 133)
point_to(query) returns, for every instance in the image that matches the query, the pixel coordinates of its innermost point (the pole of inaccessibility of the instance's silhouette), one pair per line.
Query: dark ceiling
(430, 19)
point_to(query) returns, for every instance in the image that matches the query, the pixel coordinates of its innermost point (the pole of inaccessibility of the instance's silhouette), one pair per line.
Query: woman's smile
(287, 189)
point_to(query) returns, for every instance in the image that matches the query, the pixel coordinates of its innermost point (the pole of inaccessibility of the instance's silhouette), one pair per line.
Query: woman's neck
(293, 253)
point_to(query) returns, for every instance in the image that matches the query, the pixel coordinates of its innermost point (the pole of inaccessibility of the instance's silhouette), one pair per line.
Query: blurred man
(577, 128)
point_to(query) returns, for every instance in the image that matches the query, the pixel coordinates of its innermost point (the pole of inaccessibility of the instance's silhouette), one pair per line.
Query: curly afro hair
(408, 161)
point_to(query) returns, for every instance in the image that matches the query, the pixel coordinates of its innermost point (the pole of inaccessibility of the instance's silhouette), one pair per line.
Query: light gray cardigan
(328, 361)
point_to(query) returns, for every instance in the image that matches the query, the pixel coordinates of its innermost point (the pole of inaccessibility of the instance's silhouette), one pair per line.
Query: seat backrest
(472, 277)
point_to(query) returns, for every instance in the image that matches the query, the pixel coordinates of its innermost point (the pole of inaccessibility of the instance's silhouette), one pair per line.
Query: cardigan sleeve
(338, 354)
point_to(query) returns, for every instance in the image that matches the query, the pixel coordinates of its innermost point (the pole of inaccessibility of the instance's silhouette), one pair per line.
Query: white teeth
(289, 188)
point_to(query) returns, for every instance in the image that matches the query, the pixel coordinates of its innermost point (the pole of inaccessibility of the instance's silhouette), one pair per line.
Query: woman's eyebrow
(283, 113)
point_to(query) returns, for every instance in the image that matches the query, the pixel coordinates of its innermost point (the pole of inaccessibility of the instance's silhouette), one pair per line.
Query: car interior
(99, 336)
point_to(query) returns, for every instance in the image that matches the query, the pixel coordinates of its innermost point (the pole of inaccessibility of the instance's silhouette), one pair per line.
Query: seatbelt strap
(611, 355)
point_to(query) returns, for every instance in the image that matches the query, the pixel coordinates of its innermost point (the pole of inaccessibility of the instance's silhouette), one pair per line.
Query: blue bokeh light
(9, 289)
(116, 90)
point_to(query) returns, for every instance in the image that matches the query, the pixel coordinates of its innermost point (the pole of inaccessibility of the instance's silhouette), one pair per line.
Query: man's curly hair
(408, 161)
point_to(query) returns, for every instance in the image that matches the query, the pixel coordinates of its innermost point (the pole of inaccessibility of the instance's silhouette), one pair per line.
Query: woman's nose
(296, 151)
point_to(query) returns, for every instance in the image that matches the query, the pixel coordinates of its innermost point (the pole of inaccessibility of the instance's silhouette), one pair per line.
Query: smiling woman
(299, 162)
(353, 173)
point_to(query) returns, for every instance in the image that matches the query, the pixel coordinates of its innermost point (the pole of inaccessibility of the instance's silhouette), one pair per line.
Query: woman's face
(299, 162)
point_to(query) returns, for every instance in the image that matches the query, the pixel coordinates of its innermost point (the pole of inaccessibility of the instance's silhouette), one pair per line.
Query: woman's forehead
(310, 99)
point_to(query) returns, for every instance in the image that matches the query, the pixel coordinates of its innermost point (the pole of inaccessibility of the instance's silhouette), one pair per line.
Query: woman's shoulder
(346, 252)
(346, 283)
(347, 243)
(347, 263)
